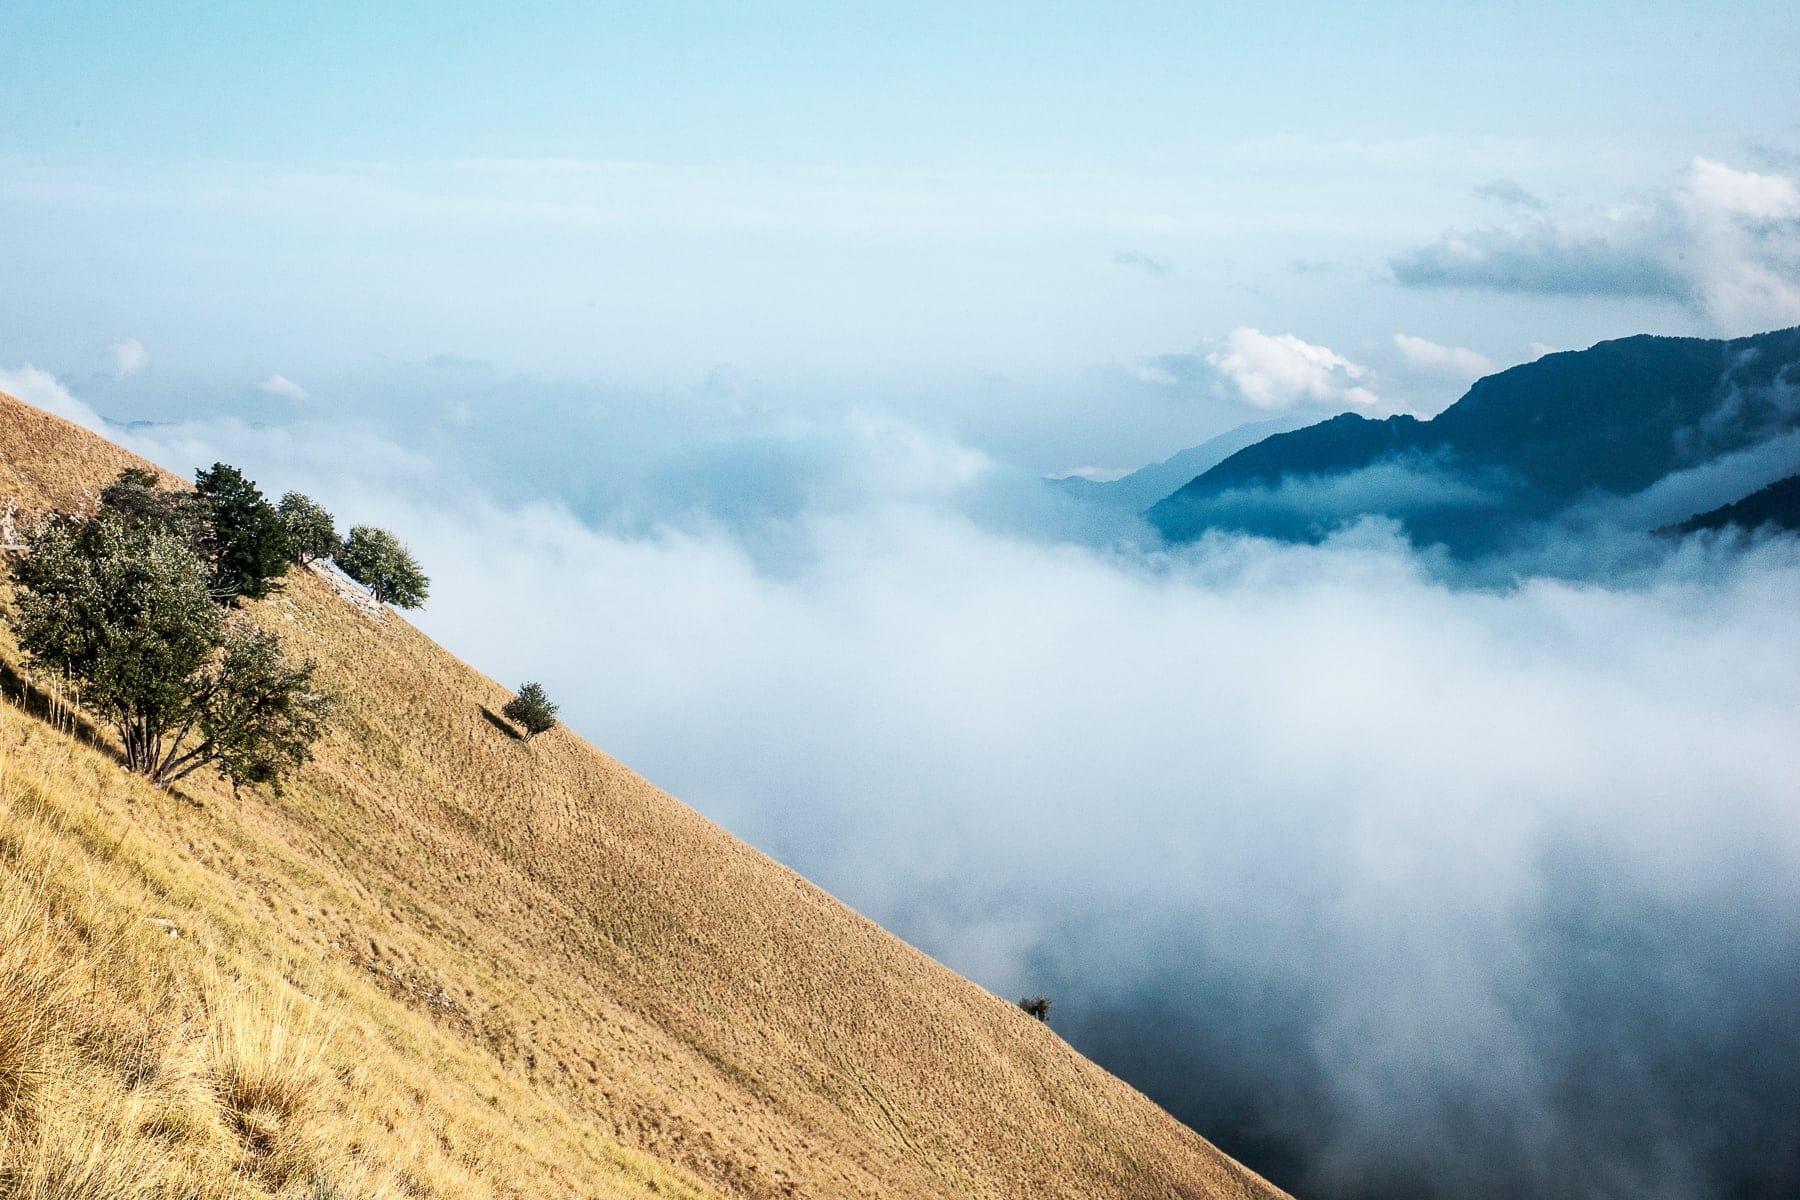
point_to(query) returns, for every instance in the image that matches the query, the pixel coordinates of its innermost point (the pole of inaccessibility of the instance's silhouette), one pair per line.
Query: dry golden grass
(445, 963)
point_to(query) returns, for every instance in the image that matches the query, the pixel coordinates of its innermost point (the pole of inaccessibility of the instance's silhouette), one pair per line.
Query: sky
(739, 338)
(962, 216)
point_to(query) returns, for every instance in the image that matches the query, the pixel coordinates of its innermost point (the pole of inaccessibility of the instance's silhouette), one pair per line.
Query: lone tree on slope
(1037, 1006)
(311, 533)
(123, 612)
(376, 559)
(531, 710)
(247, 549)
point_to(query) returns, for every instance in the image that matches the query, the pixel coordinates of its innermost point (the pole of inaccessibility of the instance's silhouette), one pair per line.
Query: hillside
(1776, 506)
(1521, 445)
(444, 963)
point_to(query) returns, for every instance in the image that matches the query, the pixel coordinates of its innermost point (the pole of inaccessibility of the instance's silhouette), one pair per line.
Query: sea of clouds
(1390, 876)
(1390, 873)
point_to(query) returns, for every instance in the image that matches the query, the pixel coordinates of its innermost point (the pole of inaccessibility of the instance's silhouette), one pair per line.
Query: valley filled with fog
(1385, 870)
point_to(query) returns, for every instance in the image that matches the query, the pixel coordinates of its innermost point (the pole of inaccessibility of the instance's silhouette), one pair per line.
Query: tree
(263, 715)
(122, 612)
(311, 533)
(376, 559)
(247, 549)
(1037, 1006)
(531, 710)
(135, 499)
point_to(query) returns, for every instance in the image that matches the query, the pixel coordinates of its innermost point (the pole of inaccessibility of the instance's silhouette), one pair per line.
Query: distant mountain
(1522, 445)
(1146, 485)
(1776, 506)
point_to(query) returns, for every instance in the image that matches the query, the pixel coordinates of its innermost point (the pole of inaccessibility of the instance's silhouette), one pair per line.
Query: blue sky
(994, 222)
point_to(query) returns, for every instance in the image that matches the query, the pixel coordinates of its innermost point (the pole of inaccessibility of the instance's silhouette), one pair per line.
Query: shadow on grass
(43, 704)
(501, 724)
(58, 713)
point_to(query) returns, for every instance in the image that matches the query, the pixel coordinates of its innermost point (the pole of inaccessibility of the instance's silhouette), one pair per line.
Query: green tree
(1037, 1006)
(530, 710)
(263, 713)
(247, 549)
(311, 533)
(136, 499)
(122, 612)
(376, 559)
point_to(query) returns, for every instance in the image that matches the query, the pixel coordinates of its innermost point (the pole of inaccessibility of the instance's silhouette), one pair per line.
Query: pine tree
(247, 549)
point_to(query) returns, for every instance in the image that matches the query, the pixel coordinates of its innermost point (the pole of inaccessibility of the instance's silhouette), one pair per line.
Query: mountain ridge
(1519, 446)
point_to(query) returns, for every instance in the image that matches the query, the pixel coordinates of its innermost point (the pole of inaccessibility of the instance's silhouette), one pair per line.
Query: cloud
(128, 357)
(1138, 261)
(1093, 474)
(1279, 371)
(281, 385)
(1547, 260)
(1508, 193)
(1390, 884)
(1162, 371)
(1263, 811)
(1450, 361)
(40, 387)
(1721, 242)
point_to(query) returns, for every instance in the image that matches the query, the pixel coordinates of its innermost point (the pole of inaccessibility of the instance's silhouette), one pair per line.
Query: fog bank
(1388, 883)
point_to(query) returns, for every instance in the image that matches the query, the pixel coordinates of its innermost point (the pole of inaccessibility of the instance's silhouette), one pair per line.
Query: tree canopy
(135, 499)
(311, 532)
(376, 559)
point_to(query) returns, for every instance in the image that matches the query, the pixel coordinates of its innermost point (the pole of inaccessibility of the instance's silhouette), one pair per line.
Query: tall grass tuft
(70, 1160)
(35, 990)
(263, 1064)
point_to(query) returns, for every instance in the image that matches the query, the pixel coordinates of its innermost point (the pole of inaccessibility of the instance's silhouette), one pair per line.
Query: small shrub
(530, 710)
(1037, 1006)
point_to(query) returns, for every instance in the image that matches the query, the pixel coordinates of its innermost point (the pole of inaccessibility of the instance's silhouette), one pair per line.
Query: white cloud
(281, 385)
(39, 387)
(1739, 241)
(1280, 371)
(1712, 187)
(1722, 242)
(1450, 361)
(128, 357)
(1154, 375)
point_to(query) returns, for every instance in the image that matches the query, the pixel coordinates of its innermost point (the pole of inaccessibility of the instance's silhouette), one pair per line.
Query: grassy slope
(523, 969)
